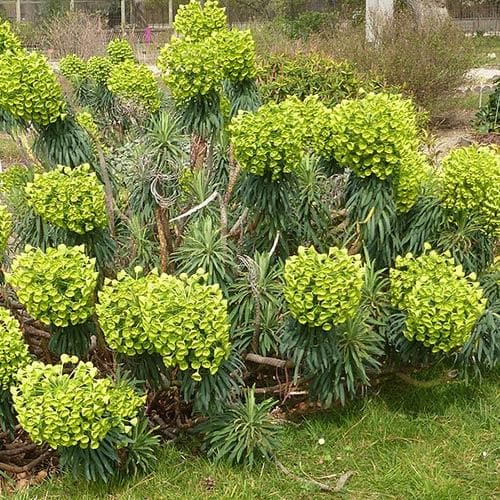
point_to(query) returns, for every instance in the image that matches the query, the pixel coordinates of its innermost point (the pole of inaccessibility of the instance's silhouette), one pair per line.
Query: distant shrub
(301, 75)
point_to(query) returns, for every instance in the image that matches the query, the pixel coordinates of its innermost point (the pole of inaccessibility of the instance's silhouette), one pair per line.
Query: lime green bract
(191, 68)
(13, 350)
(470, 182)
(442, 304)
(56, 286)
(99, 68)
(120, 50)
(120, 314)
(413, 176)
(196, 22)
(73, 68)
(271, 140)
(8, 40)
(373, 135)
(181, 318)
(323, 290)
(188, 322)
(5, 227)
(72, 409)
(136, 83)
(29, 89)
(72, 199)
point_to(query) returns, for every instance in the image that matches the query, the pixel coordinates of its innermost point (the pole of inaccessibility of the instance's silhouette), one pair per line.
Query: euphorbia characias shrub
(238, 54)
(413, 177)
(188, 322)
(119, 50)
(374, 134)
(191, 68)
(269, 142)
(8, 40)
(57, 285)
(318, 131)
(70, 406)
(120, 314)
(29, 89)
(136, 83)
(70, 198)
(5, 228)
(86, 120)
(74, 68)
(13, 350)
(441, 304)
(196, 22)
(99, 68)
(470, 183)
(323, 290)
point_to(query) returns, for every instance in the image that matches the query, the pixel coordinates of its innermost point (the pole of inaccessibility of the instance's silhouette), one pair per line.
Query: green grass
(484, 45)
(404, 442)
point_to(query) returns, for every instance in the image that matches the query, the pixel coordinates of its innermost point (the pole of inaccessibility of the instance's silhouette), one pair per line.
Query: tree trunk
(428, 11)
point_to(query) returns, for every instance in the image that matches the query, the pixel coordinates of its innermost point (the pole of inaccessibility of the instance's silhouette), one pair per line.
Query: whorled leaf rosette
(323, 290)
(56, 286)
(70, 198)
(70, 406)
(441, 304)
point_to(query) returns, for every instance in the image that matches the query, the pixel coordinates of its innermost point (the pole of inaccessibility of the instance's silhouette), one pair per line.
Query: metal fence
(472, 17)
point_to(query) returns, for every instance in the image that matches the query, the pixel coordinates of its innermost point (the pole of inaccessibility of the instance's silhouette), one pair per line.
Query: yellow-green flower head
(271, 140)
(412, 179)
(72, 199)
(29, 89)
(136, 83)
(374, 134)
(99, 68)
(5, 228)
(323, 290)
(120, 50)
(9, 42)
(196, 22)
(187, 321)
(192, 68)
(56, 286)
(73, 68)
(120, 314)
(441, 304)
(65, 407)
(470, 182)
(13, 350)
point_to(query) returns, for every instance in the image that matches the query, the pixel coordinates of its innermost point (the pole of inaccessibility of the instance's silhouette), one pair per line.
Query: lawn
(485, 45)
(402, 442)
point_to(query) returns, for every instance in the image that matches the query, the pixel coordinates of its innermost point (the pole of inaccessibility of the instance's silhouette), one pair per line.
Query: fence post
(378, 12)
(123, 17)
(72, 5)
(18, 11)
(170, 13)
